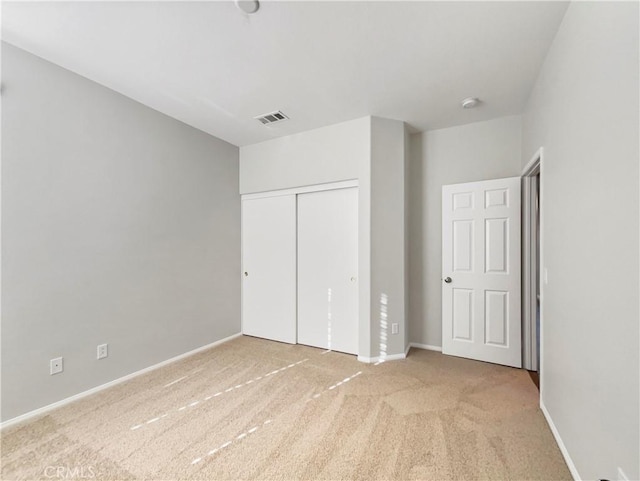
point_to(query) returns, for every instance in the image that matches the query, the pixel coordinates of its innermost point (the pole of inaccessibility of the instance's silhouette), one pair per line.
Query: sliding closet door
(328, 269)
(269, 268)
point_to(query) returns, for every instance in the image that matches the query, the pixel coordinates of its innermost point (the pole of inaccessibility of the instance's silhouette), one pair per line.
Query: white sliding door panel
(328, 269)
(269, 268)
(481, 271)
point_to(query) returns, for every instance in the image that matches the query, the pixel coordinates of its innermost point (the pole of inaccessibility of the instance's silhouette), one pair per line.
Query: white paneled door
(328, 269)
(269, 268)
(481, 271)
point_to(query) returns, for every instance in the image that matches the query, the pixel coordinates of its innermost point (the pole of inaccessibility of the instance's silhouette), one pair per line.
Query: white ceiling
(215, 68)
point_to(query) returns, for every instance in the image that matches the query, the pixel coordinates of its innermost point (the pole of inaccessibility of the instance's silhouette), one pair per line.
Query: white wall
(119, 225)
(328, 154)
(472, 152)
(584, 111)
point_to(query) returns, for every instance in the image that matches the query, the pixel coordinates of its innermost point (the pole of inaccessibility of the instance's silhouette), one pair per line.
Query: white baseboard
(427, 347)
(75, 397)
(563, 449)
(367, 360)
(395, 357)
(389, 357)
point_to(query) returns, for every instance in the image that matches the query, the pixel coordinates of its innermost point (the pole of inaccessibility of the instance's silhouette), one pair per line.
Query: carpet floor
(255, 409)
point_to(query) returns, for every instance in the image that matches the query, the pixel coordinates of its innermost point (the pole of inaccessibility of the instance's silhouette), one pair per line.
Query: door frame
(534, 167)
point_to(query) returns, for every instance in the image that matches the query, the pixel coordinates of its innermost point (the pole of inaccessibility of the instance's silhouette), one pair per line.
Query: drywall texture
(584, 111)
(119, 226)
(472, 152)
(387, 236)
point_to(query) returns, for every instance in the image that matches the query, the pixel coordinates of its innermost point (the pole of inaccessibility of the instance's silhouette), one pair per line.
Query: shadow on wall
(416, 239)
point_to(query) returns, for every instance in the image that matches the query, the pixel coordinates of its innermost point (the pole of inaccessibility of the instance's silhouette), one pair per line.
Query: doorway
(532, 270)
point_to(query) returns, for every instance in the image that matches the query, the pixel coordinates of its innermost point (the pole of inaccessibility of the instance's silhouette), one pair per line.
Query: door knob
(447, 280)
(353, 279)
(246, 274)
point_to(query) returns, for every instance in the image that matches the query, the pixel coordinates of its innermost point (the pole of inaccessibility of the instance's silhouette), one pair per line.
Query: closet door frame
(345, 184)
(291, 191)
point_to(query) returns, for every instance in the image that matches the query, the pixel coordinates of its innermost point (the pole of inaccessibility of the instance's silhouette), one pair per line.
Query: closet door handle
(246, 274)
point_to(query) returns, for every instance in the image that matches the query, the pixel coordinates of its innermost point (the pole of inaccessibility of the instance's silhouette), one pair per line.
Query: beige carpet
(255, 409)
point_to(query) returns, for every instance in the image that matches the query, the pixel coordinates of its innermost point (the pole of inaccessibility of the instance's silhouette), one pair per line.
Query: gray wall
(472, 152)
(584, 111)
(388, 235)
(119, 225)
(407, 226)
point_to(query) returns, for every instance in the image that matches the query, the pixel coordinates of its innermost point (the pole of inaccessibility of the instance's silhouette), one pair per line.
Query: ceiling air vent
(271, 118)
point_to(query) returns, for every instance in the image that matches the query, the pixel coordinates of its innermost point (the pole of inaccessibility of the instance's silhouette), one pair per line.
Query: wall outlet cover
(103, 351)
(56, 366)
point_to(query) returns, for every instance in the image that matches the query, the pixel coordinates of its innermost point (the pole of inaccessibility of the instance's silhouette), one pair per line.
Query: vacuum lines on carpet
(198, 401)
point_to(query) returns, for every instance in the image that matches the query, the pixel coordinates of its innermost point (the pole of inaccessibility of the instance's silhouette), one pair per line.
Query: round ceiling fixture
(470, 102)
(248, 6)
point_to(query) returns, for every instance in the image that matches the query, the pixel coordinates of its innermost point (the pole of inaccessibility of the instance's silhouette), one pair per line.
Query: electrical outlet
(56, 366)
(394, 328)
(103, 351)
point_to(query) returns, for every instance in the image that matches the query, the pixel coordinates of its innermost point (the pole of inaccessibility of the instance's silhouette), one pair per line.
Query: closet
(300, 267)
(269, 268)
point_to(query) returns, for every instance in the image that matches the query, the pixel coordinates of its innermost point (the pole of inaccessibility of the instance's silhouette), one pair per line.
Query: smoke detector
(271, 118)
(470, 102)
(248, 6)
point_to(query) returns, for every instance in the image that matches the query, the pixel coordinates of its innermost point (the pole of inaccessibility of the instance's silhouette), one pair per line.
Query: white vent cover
(271, 118)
